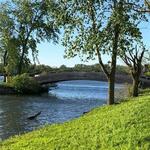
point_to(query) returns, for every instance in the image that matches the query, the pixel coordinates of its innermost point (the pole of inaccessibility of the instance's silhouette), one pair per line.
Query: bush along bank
(4, 90)
(22, 84)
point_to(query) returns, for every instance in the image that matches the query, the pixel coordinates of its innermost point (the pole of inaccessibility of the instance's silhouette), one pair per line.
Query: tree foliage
(23, 84)
(25, 24)
(133, 58)
(96, 27)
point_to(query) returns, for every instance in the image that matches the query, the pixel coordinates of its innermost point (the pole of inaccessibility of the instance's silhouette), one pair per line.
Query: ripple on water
(68, 100)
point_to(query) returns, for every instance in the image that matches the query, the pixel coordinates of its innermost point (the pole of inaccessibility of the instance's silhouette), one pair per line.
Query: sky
(53, 54)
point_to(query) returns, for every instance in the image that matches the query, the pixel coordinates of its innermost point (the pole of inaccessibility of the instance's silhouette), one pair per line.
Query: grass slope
(124, 126)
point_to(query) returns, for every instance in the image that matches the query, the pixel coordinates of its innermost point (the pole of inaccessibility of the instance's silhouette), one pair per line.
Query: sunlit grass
(125, 126)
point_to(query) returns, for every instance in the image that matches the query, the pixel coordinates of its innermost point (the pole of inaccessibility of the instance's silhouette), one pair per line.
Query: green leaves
(29, 22)
(91, 24)
(93, 28)
(24, 84)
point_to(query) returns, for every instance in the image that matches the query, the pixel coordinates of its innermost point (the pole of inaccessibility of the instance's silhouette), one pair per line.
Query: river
(66, 101)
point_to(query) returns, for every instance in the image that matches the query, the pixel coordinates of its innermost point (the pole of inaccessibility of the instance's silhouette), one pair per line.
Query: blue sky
(52, 55)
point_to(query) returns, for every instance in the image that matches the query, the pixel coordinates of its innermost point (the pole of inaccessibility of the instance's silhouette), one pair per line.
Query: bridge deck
(65, 76)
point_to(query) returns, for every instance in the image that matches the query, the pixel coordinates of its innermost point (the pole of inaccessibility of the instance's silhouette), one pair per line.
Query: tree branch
(101, 63)
(126, 60)
(139, 9)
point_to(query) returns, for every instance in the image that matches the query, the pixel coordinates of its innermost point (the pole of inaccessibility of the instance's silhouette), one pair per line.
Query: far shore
(120, 79)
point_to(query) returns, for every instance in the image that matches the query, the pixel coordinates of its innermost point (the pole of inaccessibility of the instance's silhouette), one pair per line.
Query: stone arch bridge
(65, 76)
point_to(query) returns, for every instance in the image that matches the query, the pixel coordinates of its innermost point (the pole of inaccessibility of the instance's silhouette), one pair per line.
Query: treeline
(44, 69)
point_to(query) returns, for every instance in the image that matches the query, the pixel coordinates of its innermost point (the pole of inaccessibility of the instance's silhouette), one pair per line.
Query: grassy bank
(125, 126)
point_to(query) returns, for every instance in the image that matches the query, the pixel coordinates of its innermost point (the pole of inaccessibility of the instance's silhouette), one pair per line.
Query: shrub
(129, 89)
(24, 84)
(147, 74)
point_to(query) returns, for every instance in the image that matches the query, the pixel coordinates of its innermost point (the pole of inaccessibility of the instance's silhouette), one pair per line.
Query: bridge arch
(66, 76)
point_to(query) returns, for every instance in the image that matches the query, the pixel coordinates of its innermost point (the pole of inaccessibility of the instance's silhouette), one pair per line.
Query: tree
(144, 8)
(8, 44)
(147, 7)
(147, 3)
(31, 24)
(93, 28)
(133, 59)
(3, 57)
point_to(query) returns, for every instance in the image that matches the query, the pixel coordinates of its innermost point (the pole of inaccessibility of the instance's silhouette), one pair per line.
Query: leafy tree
(120, 69)
(8, 44)
(38, 69)
(23, 84)
(144, 8)
(147, 3)
(93, 28)
(30, 24)
(147, 9)
(1, 69)
(133, 58)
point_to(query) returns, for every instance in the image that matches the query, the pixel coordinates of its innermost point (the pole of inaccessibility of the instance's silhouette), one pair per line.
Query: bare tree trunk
(111, 80)
(21, 60)
(111, 90)
(111, 76)
(24, 49)
(135, 85)
(5, 78)
(20, 64)
(5, 64)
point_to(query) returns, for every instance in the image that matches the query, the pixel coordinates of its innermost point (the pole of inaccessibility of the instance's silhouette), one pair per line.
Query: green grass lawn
(125, 126)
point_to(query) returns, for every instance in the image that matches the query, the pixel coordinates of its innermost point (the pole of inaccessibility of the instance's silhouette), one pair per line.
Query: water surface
(66, 101)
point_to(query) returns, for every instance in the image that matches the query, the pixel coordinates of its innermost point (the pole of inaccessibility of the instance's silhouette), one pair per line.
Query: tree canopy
(23, 25)
(93, 28)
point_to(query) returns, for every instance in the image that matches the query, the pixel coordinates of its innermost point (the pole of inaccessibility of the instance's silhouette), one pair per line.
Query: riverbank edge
(122, 126)
(6, 90)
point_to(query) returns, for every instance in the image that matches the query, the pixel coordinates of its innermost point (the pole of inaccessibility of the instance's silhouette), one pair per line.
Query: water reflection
(82, 90)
